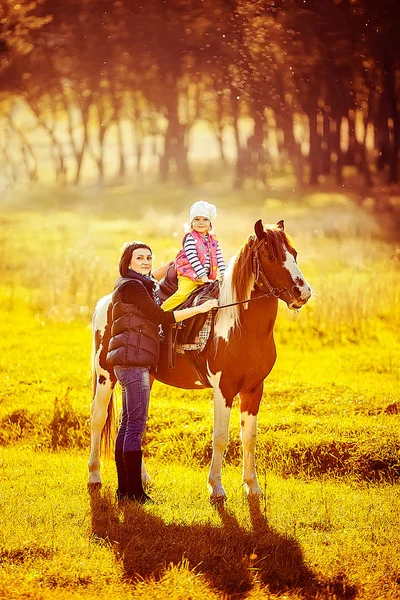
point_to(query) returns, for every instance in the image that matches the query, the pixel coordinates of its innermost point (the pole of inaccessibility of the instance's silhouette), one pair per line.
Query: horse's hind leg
(99, 411)
(249, 405)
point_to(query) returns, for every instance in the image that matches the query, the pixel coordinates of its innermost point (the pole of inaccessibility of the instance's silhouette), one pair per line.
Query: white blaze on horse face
(297, 276)
(220, 438)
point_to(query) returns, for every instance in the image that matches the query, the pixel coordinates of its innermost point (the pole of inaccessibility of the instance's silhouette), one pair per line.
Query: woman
(133, 350)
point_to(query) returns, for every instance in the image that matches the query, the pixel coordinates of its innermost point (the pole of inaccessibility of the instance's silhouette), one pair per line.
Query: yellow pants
(185, 288)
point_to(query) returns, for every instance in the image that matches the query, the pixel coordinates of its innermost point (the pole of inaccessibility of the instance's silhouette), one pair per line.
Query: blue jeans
(135, 383)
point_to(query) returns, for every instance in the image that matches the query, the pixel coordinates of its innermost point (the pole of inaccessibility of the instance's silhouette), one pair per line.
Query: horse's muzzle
(299, 297)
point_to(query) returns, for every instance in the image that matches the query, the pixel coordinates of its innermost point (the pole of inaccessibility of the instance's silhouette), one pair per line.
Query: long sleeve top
(134, 293)
(189, 246)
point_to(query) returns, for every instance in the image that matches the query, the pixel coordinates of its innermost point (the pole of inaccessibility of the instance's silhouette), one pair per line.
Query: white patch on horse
(102, 389)
(99, 324)
(291, 265)
(100, 313)
(229, 318)
(198, 383)
(248, 434)
(220, 438)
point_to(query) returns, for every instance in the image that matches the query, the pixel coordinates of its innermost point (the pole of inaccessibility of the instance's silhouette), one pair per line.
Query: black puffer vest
(135, 340)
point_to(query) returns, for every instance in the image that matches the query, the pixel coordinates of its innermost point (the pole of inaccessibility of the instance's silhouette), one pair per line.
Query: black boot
(133, 470)
(122, 489)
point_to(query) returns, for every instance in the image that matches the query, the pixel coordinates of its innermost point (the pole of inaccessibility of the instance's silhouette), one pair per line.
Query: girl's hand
(208, 305)
(205, 280)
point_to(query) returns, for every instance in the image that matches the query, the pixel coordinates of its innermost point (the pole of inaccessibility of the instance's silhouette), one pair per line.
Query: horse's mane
(238, 281)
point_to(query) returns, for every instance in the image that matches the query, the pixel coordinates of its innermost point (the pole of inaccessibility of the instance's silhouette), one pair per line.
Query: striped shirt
(191, 253)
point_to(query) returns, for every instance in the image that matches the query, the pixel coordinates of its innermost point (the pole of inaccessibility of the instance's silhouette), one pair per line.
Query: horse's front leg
(99, 412)
(249, 405)
(220, 441)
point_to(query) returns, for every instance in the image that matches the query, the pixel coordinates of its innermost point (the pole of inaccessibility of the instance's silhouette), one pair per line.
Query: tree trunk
(389, 91)
(351, 154)
(326, 144)
(57, 150)
(7, 158)
(117, 107)
(219, 134)
(26, 151)
(101, 133)
(175, 147)
(364, 166)
(292, 147)
(256, 166)
(77, 150)
(137, 133)
(337, 148)
(122, 166)
(175, 150)
(219, 127)
(315, 146)
(239, 164)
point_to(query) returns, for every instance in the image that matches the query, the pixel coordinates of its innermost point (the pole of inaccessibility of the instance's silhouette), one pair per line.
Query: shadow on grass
(231, 558)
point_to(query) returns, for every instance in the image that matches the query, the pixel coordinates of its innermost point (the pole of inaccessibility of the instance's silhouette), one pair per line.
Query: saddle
(190, 336)
(187, 330)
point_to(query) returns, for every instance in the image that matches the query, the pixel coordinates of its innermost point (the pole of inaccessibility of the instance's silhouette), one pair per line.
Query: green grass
(328, 443)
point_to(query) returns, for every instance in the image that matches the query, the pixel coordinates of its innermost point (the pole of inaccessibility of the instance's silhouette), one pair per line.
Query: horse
(238, 358)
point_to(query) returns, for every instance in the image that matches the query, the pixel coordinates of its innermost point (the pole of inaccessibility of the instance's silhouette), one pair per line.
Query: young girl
(200, 257)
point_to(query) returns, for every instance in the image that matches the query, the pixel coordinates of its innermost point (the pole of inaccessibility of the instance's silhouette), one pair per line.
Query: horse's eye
(270, 257)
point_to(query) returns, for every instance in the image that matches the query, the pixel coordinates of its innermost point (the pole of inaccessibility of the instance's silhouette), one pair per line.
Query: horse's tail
(109, 430)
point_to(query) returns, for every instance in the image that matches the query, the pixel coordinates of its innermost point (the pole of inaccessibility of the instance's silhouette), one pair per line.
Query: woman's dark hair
(126, 255)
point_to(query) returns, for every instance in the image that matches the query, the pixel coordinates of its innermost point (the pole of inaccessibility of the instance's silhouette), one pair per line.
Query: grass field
(328, 445)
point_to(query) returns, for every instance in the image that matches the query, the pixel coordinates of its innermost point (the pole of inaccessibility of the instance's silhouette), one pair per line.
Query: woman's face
(141, 261)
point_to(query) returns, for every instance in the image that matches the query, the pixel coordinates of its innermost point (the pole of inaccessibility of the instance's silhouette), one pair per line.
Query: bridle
(261, 281)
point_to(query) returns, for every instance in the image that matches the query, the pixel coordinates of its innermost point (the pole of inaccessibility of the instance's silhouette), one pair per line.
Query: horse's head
(275, 265)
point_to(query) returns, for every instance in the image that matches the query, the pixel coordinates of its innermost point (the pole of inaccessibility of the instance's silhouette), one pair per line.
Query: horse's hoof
(217, 500)
(255, 494)
(94, 486)
(254, 491)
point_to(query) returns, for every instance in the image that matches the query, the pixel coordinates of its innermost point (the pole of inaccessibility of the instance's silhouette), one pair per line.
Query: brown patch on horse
(276, 241)
(242, 271)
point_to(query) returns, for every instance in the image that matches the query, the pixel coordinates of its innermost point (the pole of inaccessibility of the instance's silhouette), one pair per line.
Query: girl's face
(201, 225)
(141, 261)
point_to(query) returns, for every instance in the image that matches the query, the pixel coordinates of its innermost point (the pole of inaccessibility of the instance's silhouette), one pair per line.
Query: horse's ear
(259, 229)
(281, 225)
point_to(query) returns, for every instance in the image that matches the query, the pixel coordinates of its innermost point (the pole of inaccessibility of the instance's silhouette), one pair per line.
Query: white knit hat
(203, 209)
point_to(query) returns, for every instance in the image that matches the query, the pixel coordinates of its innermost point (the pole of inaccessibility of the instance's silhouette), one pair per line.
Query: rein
(242, 301)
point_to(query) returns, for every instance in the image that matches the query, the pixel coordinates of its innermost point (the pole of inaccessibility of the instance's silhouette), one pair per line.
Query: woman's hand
(186, 313)
(205, 280)
(208, 305)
